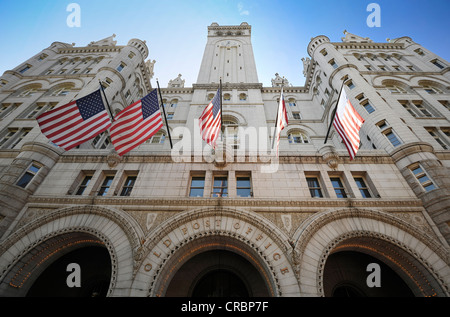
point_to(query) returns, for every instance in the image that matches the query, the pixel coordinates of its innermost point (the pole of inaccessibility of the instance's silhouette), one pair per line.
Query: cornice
(349, 45)
(226, 86)
(183, 203)
(294, 158)
(90, 49)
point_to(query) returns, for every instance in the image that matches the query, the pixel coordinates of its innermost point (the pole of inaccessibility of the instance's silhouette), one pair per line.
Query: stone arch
(117, 231)
(324, 232)
(242, 232)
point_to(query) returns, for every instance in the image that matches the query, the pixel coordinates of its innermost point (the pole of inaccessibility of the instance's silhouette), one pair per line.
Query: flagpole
(221, 117)
(164, 112)
(106, 99)
(278, 110)
(334, 114)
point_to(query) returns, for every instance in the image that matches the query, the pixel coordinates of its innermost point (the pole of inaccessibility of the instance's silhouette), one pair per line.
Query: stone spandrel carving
(176, 83)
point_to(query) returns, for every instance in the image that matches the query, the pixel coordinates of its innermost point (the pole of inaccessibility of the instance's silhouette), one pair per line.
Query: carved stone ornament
(330, 156)
(113, 159)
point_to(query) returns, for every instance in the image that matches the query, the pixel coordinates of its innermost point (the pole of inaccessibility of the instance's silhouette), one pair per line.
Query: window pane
(83, 185)
(220, 182)
(197, 186)
(243, 192)
(130, 181)
(26, 178)
(429, 187)
(196, 192)
(362, 187)
(243, 182)
(338, 188)
(198, 182)
(34, 168)
(314, 187)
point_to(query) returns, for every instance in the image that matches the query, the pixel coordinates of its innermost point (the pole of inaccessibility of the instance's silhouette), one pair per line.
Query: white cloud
(241, 9)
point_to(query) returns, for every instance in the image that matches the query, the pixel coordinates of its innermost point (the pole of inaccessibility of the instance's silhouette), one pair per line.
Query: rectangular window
(338, 187)
(220, 186)
(197, 186)
(445, 103)
(333, 64)
(8, 136)
(22, 134)
(106, 185)
(85, 182)
(121, 66)
(314, 187)
(366, 104)
(243, 186)
(392, 138)
(438, 63)
(28, 176)
(421, 107)
(435, 134)
(363, 189)
(24, 69)
(128, 186)
(296, 115)
(422, 177)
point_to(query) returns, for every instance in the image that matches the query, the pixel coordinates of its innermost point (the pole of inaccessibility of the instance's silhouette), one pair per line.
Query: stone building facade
(189, 221)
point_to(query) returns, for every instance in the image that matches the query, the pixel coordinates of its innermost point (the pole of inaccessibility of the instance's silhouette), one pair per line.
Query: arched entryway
(346, 275)
(218, 273)
(220, 268)
(43, 271)
(355, 264)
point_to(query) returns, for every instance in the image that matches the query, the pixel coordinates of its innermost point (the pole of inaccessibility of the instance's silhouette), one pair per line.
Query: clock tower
(228, 55)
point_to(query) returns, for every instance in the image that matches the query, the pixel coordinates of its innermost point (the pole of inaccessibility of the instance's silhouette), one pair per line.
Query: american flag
(282, 120)
(136, 123)
(76, 122)
(210, 121)
(347, 123)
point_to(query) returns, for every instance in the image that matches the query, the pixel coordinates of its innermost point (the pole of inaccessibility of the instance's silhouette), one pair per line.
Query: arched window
(174, 103)
(231, 132)
(157, 138)
(242, 97)
(298, 137)
(227, 97)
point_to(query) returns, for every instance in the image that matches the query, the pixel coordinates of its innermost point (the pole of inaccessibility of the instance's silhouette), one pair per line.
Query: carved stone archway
(242, 232)
(68, 227)
(376, 233)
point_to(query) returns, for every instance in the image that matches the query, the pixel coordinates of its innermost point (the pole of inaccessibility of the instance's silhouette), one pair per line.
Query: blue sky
(175, 30)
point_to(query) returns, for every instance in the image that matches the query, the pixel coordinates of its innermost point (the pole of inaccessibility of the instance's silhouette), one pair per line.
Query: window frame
(29, 172)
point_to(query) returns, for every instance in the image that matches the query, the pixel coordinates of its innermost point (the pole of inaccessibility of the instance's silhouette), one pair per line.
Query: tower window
(29, 175)
(422, 177)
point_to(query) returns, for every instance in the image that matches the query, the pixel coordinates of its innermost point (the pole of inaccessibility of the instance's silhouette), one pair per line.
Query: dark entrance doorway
(345, 275)
(95, 269)
(220, 283)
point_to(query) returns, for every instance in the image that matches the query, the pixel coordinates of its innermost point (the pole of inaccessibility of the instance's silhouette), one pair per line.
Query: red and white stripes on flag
(347, 123)
(282, 119)
(76, 122)
(136, 123)
(210, 121)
